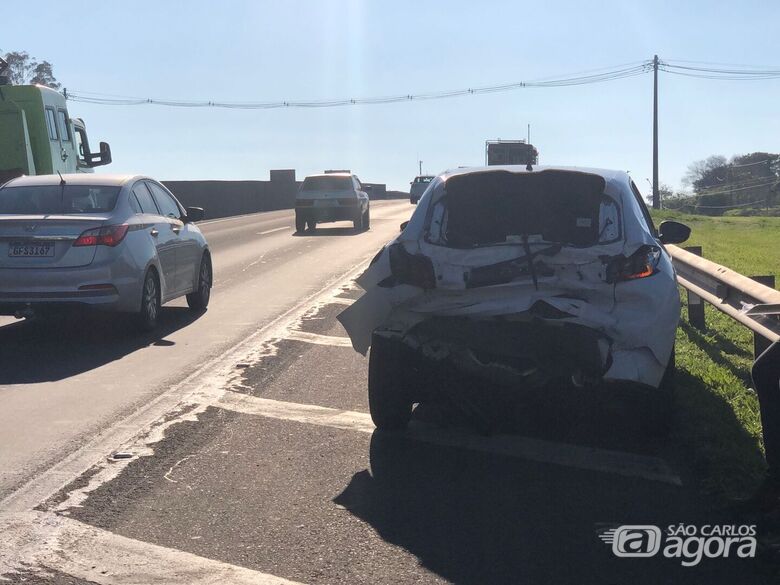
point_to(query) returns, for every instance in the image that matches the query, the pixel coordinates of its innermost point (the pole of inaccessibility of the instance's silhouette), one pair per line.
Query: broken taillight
(641, 264)
(414, 269)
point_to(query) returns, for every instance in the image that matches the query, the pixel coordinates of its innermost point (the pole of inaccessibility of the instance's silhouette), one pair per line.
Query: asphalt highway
(236, 447)
(62, 383)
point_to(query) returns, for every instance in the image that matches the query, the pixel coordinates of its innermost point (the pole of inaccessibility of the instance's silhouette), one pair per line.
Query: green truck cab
(38, 136)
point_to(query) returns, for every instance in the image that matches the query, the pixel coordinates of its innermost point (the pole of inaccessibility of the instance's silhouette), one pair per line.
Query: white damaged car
(525, 277)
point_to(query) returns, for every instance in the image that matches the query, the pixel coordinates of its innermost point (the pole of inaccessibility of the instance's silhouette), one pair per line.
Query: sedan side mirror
(404, 224)
(673, 232)
(195, 214)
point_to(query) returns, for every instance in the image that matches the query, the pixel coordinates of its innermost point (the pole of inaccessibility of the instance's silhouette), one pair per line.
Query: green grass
(749, 245)
(717, 427)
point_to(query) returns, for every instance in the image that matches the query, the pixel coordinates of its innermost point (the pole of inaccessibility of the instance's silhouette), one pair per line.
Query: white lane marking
(232, 217)
(341, 301)
(302, 413)
(50, 541)
(563, 454)
(254, 263)
(286, 227)
(317, 339)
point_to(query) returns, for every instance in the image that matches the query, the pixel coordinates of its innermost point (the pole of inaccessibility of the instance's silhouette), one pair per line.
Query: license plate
(325, 202)
(31, 250)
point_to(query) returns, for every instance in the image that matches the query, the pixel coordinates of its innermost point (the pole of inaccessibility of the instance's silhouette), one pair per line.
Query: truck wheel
(312, 224)
(388, 398)
(300, 223)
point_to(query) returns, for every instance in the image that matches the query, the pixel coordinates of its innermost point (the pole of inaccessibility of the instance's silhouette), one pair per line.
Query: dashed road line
(286, 227)
(538, 450)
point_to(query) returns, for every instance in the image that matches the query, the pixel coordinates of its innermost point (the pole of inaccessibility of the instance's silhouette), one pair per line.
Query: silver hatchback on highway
(110, 242)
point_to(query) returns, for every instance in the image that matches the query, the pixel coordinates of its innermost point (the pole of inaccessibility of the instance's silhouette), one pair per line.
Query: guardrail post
(695, 302)
(760, 343)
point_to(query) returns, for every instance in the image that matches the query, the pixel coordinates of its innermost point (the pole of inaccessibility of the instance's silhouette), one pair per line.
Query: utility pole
(656, 194)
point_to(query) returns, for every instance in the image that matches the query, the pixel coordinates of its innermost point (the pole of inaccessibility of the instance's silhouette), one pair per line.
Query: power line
(730, 190)
(732, 73)
(601, 76)
(727, 206)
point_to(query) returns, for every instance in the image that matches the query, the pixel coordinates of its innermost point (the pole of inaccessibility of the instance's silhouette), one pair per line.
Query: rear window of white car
(327, 184)
(495, 208)
(56, 199)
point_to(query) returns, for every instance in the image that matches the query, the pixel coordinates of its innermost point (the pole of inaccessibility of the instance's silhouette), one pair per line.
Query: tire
(300, 223)
(312, 224)
(389, 400)
(367, 219)
(198, 300)
(357, 223)
(149, 313)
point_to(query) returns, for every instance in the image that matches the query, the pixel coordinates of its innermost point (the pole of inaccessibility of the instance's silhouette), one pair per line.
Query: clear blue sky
(258, 51)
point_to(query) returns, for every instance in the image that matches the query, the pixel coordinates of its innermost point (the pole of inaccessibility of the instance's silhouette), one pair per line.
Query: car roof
(75, 179)
(330, 175)
(608, 174)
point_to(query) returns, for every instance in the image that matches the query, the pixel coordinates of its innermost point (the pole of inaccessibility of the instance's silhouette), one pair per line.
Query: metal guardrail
(753, 301)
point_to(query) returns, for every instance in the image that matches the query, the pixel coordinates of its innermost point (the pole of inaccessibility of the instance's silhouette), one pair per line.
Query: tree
(705, 173)
(23, 69)
(746, 180)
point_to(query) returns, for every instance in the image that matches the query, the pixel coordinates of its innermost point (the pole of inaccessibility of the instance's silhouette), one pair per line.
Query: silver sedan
(119, 243)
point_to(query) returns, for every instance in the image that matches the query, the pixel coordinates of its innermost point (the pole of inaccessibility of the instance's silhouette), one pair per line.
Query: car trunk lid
(46, 241)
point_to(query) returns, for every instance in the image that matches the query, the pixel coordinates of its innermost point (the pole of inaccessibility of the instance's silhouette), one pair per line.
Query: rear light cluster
(104, 236)
(641, 264)
(414, 269)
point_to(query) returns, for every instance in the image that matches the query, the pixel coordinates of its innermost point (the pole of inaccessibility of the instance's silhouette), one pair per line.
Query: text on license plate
(29, 250)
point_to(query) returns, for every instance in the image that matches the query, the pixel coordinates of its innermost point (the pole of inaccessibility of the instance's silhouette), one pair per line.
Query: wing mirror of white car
(195, 214)
(673, 232)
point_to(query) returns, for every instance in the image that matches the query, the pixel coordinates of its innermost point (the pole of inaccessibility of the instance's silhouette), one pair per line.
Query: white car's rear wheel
(388, 397)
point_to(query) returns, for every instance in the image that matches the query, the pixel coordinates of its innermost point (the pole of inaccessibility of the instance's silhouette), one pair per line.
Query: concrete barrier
(227, 198)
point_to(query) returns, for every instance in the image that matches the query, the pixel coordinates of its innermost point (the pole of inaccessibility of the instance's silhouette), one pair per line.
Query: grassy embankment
(717, 427)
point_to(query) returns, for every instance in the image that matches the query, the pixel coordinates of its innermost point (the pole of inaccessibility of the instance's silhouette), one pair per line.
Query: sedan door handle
(154, 232)
(175, 229)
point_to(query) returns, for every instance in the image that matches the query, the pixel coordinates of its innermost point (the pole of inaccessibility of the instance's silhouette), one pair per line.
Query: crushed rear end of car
(533, 279)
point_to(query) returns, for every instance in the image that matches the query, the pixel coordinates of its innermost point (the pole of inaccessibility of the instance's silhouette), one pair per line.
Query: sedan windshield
(57, 200)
